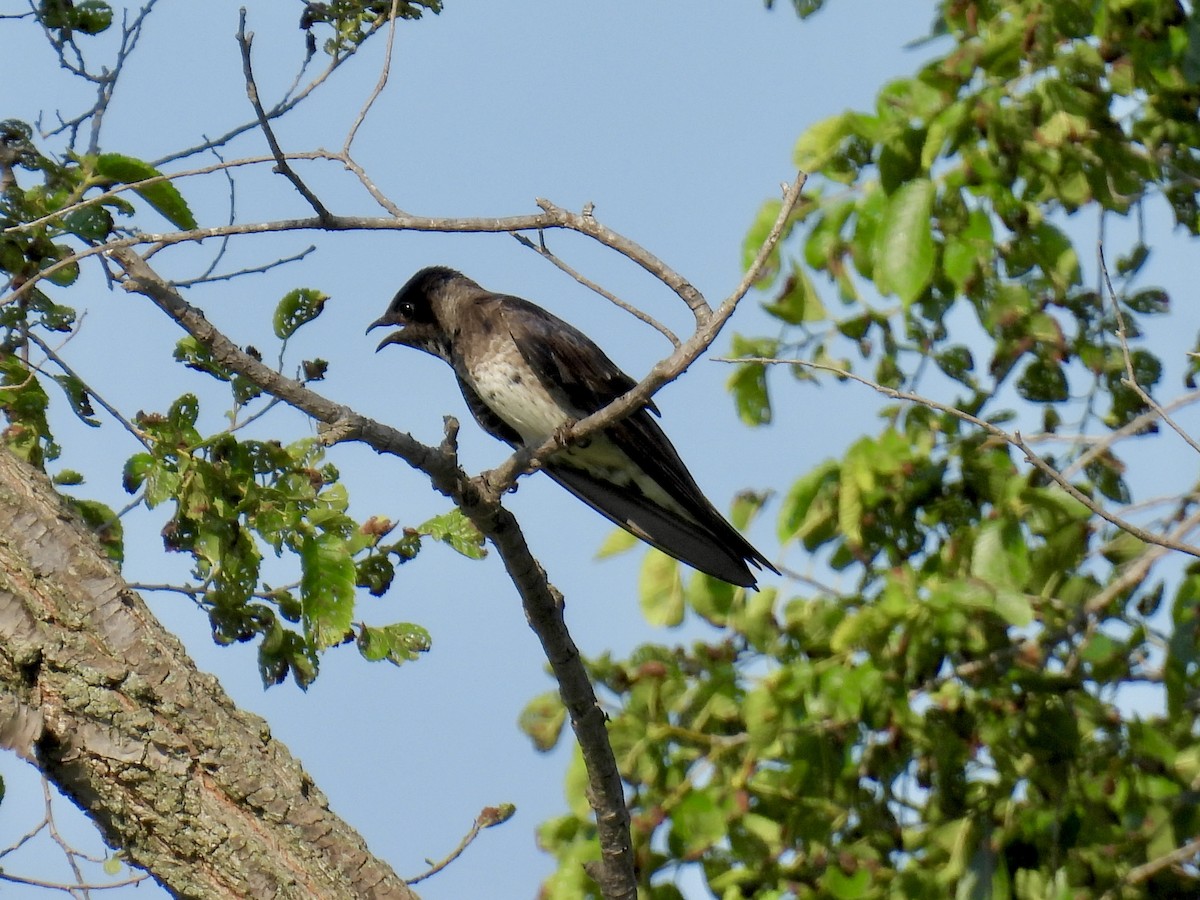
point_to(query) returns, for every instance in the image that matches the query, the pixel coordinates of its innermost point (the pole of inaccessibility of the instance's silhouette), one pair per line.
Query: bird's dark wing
(590, 381)
(569, 358)
(660, 527)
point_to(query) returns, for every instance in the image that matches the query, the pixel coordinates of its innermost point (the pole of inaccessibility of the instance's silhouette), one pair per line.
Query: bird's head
(414, 311)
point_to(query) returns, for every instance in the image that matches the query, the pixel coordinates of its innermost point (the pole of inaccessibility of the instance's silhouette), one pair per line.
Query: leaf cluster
(353, 21)
(233, 501)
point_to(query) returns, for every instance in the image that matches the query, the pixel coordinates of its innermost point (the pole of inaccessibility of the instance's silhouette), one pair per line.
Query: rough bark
(108, 705)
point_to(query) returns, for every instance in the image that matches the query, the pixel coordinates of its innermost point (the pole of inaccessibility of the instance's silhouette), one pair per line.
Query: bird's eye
(407, 308)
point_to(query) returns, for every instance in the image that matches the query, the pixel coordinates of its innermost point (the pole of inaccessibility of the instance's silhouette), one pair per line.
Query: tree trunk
(97, 694)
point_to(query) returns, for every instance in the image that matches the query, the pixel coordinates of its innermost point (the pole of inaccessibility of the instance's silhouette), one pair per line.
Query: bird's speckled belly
(526, 407)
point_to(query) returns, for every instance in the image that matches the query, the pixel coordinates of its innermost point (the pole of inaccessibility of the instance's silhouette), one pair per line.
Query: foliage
(233, 501)
(353, 21)
(960, 721)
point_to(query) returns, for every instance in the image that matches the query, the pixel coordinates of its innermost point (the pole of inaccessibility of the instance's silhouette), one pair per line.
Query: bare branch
(486, 819)
(290, 101)
(108, 407)
(586, 223)
(1135, 426)
(1136, 571)
(709, 322)
(245, 39)
(379, 85)
(250, 270)
(542, 250)
(1183, 854)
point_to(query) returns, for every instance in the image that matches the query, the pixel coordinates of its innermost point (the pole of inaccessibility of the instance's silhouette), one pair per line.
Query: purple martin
(525, 374)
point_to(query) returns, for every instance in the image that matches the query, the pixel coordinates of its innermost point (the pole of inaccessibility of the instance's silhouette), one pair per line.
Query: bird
(526, 374)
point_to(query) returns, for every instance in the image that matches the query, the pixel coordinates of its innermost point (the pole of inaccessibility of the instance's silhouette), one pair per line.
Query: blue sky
(676, 120)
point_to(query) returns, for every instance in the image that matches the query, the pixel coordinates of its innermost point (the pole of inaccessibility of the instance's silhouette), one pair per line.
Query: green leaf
(456, 530)
(698, 821)
(375, 573)
(104, 524)
(326, 589)
(799, 498)
(1151, 302)
(67, 274)
(956, 361)
(542, 720)
(711, 598)
(295, 309)
(821, 142)
(1001, 555)
(854, 475)
(92, 222)
(748, 383)
(660, 590)
(843, 886)
(618, 541)
(398, 644)
(162, 195)
(1062, 128)
(78, 397)
(904, 249)
(1014, 608)
(798, 302)
(1056, 255)
(756, 236)
(969, 251)
(92, 16)
(1191, 59)
(1043, 381)
(196, 355)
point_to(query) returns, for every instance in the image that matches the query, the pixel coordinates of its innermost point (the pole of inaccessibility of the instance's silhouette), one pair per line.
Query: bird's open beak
(396, 337)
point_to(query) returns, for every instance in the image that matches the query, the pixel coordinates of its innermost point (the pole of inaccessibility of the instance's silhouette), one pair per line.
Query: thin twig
(249, 270)
(551, 217)
(379, 85)
(245, 39)
(545, 252)
(87, 389)
(1133, 427)
(289, 102)
(1130, 379)
(220, 254)
(130, 34)
(1147, 870)
(486, 819)
(71, 888)
(1135, 572)
(67, 850)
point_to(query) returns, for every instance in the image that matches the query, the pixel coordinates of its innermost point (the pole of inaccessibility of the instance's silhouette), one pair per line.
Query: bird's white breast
(517, 398)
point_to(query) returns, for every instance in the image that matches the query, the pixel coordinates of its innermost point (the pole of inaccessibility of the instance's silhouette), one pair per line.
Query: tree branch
(542, 603)
(281, 164)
